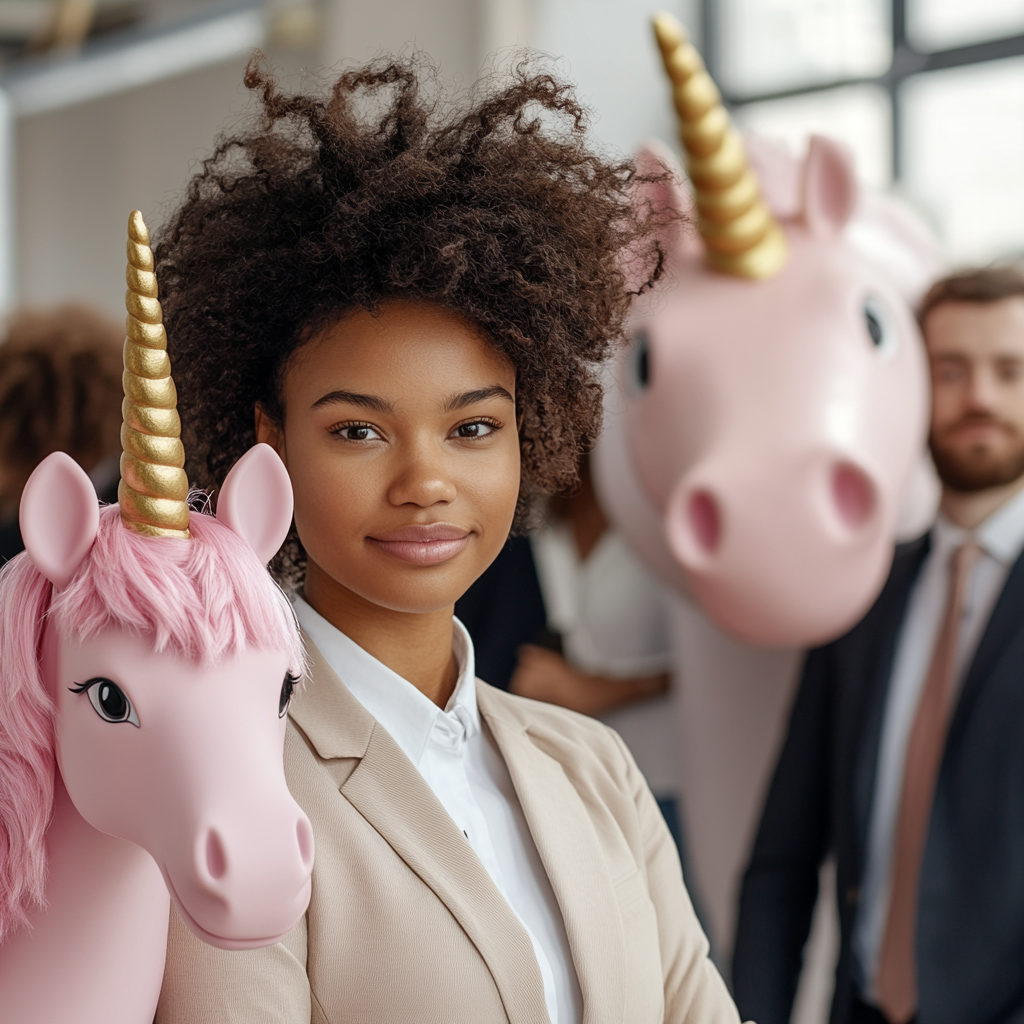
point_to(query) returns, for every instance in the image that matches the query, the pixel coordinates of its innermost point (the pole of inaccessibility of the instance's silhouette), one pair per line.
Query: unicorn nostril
(216, 859)
(705, 520)
(853, 493)
(304, 834)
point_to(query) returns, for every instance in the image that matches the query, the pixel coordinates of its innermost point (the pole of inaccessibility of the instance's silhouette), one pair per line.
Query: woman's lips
(428, 544)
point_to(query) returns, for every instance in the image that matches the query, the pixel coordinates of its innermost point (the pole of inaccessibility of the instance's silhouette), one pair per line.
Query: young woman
(408, 300)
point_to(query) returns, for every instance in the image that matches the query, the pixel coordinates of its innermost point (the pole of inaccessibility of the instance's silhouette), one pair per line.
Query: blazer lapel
(569, 850)
(1006, 621)
(394, 798)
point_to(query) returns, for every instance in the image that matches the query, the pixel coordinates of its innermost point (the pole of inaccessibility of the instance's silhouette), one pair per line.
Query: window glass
(769, 45)
(942, 24)
(963, 155)
(859, 116)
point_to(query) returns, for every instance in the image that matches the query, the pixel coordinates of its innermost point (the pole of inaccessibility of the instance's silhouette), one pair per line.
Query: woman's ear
(269, 432)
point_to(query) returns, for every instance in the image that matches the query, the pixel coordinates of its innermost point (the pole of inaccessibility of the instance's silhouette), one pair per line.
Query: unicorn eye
(287, 689)
(108, 700)
(880, 327)
(640, 361)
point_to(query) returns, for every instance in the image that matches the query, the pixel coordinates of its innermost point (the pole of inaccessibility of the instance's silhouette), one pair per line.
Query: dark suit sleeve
(781, 883)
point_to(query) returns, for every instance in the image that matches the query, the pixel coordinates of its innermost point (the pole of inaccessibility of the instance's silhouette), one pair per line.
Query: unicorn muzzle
(760, 556)
(245, 881)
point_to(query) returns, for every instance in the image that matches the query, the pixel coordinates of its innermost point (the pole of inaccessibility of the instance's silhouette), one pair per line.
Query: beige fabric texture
(405, 925)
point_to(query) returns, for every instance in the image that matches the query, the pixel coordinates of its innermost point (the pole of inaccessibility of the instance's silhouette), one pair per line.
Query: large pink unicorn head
(146, 654)
(772, 408)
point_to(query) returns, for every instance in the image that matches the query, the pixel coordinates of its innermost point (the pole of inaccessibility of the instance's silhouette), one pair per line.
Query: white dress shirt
(1001, 538)
(612, 615)
(458, 758)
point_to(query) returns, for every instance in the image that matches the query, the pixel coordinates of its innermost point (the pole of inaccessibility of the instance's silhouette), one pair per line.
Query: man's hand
(545, 675)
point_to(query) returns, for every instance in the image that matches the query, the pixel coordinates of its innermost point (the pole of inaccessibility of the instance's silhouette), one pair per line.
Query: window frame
(907, 62)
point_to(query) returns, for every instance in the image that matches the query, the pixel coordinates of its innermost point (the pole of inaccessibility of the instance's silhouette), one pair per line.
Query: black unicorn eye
(287, 689)
(640, 360)
(109, 701)
(879, 326)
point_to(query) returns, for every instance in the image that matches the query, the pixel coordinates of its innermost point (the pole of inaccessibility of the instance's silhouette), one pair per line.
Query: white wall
(80, 171)
(607, 47)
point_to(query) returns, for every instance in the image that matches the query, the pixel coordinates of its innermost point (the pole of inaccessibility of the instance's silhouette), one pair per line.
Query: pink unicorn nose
(701, 514)
(695, 524)
(774, 557)
(217, 858)
(853, 494)
(246, 885)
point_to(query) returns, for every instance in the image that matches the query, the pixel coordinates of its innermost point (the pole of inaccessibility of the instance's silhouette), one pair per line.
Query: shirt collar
(1001, 536)
(406, 713)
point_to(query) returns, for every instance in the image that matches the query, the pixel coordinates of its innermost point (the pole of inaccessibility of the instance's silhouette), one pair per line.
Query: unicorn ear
(59, 517)
(830, 186)
(256, 501)
(666, 197)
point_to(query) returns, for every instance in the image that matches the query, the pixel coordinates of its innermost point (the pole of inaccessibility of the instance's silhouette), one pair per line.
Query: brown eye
(478, 428)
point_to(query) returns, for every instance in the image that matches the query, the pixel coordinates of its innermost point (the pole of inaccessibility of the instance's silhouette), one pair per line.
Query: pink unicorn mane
(204, 599)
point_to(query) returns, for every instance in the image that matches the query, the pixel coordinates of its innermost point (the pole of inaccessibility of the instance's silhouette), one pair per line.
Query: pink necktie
(896, 982)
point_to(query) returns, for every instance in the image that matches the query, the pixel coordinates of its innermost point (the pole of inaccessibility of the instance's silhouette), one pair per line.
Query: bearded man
(905, 753)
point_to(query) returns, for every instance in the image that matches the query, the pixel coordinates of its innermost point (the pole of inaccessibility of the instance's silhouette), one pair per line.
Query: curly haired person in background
(60, 391)
(408, 298)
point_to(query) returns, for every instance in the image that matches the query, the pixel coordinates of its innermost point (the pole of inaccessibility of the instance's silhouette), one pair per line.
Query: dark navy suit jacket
(970, 926)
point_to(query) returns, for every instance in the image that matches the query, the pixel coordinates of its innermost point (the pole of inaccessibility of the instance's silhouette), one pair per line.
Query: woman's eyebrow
(479, 395)
(354, 398)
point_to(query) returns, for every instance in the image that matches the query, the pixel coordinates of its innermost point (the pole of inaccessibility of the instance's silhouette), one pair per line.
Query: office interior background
(928, 93)
(108, 105)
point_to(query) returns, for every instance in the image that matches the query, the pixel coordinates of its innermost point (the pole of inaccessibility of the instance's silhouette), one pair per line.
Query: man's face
(976, 351)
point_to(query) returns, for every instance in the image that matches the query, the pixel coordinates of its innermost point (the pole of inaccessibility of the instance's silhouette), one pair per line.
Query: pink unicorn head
(770, 416)
(154, 674)
(145, 654)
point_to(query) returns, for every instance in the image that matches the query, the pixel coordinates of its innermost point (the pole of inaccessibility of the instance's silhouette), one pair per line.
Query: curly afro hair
(380, 190)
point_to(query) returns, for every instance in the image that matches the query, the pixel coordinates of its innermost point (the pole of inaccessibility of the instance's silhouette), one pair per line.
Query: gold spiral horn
(741, 235)
(153, 490)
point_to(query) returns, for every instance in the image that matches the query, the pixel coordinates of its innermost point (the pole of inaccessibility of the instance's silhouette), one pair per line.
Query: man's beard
(978, 468)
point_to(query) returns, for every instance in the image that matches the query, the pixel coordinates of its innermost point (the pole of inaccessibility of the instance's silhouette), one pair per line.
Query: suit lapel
(569, 850)
(1006, 621)
(394, 798)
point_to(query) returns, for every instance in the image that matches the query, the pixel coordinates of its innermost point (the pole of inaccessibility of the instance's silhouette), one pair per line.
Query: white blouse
(456, 755)
(613, 618)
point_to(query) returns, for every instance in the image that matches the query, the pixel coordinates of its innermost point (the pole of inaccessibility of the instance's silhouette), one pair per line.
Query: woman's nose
(421, 480)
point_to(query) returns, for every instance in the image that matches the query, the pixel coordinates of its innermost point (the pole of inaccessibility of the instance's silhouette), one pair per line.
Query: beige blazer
(405, 925)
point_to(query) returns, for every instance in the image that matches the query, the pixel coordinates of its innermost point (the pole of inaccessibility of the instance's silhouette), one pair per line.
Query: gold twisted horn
(153, 490)
(741, 235)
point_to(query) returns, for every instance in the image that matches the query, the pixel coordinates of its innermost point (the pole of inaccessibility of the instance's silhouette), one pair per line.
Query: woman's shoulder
(575, 740)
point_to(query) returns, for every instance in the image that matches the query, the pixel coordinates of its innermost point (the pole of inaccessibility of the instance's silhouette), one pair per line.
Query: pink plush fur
(204, 599)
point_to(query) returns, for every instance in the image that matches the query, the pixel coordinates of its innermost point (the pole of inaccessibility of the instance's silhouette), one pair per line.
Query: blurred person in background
(60, 390)
(567, 615)
(904, 756)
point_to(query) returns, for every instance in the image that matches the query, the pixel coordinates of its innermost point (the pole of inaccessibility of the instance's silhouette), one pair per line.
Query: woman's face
(400, 438)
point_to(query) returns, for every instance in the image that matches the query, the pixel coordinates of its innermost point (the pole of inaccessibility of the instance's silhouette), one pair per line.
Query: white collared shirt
(1001, 538)
(461, 763)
